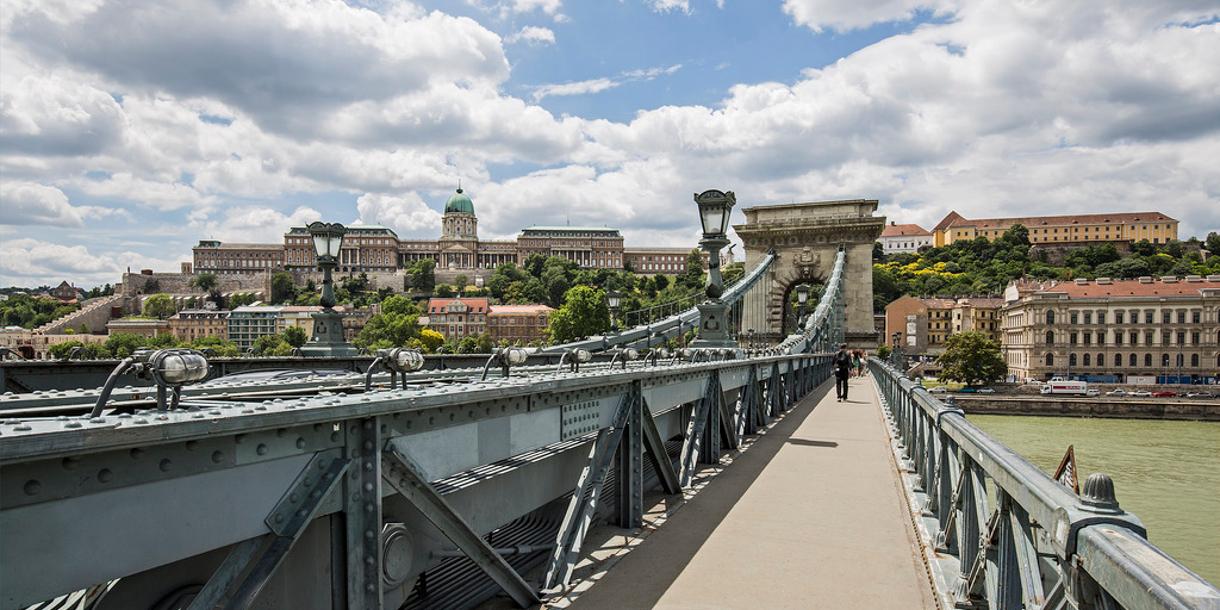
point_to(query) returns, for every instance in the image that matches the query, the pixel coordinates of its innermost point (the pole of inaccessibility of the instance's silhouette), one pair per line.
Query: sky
(130, 130)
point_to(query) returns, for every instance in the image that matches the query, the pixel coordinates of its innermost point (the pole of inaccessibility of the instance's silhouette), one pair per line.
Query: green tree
(220, 347)
(242, 299)
(583, 313)
(692, 278)
(972, 358)
(122, 345)
(1212, 243)
(395, 326)
(420, 276)
(430, 340)
(461, 281)
(160, 306)
(283, 287)
(883, 351)
(294, 336)
(206, 282)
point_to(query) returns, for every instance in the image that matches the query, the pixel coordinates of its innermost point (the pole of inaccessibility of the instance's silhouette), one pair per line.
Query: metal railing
(1011, 536)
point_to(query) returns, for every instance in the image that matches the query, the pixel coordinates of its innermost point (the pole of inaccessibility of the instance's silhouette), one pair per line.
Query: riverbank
(1122, 408)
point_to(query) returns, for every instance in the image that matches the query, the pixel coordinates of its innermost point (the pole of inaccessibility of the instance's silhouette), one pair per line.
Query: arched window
(1087, 360)
(1147, 359)
(1194, 361)
(1050, 337)
(1101, 359)
(1118, 360)
(1181, 359)
(1050, 360)
(1071, 359)
(1050, 316)
(1164, 359)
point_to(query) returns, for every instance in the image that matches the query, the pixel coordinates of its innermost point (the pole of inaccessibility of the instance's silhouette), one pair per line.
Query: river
(1166, 472)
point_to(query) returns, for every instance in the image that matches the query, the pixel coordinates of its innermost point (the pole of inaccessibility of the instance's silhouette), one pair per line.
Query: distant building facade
(1078, 228)
(924, 325)
(518, 324)
(898, 238)
(377, 249)
(143, 327)
(192, 324)
(458, 317)
(246, 324)
(37, 346)
(1145, 330)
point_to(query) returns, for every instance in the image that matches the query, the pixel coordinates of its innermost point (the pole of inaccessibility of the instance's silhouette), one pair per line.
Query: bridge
(705, 477)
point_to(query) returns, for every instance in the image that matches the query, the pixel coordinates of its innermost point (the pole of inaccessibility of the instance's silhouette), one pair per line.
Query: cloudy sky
(131, 129)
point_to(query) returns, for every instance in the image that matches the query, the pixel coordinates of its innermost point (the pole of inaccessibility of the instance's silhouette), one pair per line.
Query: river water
(1166, 472)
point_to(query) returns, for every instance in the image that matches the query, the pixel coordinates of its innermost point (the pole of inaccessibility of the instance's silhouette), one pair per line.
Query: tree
(883, 351)
(972, 358)
(219, 347)
(283, 287)
(692, 278)
(295, 336)
(1213, 243)
(160, 306)
(420, 276)
(395, 326)
(461, 281)
(206, 282)
(583, 313)
(122, 345)
(242, 299)
(430, 340)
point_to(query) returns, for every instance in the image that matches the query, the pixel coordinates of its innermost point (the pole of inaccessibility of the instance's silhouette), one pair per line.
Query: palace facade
(378, 249)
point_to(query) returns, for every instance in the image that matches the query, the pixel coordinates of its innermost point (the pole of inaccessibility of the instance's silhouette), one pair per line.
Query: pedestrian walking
(842, 367)
(858, 362)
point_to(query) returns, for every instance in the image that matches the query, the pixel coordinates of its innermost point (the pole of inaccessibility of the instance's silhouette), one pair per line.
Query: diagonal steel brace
(408, 480)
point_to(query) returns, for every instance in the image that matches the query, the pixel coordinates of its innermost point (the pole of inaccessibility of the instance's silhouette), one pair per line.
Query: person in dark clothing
(842, 365)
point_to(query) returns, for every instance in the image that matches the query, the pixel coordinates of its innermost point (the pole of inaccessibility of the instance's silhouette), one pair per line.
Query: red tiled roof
(1117, 218)
(948, 221)
(510, 309)
(476, 304)
(896, 230)
(1121, 288)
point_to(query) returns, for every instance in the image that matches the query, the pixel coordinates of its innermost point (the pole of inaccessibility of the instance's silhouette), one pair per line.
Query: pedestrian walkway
(811, 516)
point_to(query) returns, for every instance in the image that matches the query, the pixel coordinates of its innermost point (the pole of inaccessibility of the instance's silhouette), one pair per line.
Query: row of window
(1132, 337)
(1131, 359)
(1133, 315)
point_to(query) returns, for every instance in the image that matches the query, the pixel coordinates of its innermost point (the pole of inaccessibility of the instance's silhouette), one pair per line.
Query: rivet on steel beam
(104, 475)
(32, 487)
(165, 465)
(217, 456)
(261, 449)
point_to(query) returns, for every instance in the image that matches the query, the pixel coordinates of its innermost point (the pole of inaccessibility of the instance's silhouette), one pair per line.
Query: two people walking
(846, 365)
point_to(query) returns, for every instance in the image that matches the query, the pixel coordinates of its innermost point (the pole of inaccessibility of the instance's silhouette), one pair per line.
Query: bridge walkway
(811, 516)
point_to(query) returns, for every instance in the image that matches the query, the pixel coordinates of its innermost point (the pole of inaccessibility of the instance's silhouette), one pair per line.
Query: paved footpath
(811, 516)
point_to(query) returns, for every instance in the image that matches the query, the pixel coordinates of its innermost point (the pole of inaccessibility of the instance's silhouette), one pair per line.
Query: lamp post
(327, 339)
(613, 299)
(802, 297)
(714, 209)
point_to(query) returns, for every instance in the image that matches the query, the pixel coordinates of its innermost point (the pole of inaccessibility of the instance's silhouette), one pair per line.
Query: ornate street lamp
(327, 339)
(802, 297)
(613, 300)
(714, 209)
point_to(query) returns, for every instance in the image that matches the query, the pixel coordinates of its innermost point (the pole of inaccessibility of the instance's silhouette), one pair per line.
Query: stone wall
(180, 283)
(93, 315)
(1181, 409)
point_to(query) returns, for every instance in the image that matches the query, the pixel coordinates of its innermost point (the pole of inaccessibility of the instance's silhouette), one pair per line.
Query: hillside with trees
(982, 267)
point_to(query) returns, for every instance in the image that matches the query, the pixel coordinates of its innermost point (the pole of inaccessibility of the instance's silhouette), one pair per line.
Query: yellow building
(924, 325)
(1080, 228)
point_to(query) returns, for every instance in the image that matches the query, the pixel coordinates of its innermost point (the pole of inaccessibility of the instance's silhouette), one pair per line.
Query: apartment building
(1145, 330)
(896, 238)
(518, 324)
(191, 324)
(458, 317)
(925, 324)
(1074, 229)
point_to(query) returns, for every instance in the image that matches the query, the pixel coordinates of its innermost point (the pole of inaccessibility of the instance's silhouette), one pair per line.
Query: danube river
(1166, 472)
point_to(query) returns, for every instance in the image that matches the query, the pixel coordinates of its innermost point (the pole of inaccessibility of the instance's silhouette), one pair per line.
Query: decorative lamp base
(327, 340)
(713, 327)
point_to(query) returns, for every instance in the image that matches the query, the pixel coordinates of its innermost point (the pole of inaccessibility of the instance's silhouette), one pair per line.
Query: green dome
(459, 202)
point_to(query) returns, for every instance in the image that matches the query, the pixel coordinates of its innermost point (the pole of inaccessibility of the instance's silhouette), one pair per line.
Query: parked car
(1140, 394)
(968, 390)
(1092, 392)
(1200, 395)
(1119, 392)
(940, 389)
(1164, 394)
(986, 391)
(1034, 381)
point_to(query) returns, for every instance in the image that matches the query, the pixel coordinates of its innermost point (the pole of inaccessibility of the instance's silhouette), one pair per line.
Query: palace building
(1075, 229)
(378, 249)
(1144, 330)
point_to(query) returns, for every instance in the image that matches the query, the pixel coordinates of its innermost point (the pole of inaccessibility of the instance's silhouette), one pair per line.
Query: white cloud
(255, 224)
(31, 262)
(844, 15)
(597, 85)
(549, 7)
(407, 214)
(665, 6)
(533, 35)
(27, 203)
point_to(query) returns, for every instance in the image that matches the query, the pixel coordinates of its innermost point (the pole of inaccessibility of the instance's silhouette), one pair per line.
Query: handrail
(1100, 552)
(644, 334)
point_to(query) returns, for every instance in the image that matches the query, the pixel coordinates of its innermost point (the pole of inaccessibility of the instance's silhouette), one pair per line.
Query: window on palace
(1195, 316)
(1050, 360)
(1147, 359)
(1194, 360)
(1073, 339)
(1088, 318)
(1101, 359)
(1181, 359)
(1164, 359)
(1149, 316)
(1118, 317)
(1132, 360)
(1071, 359)
(1148, 337)
(1086, 360)
(1166, 316)
(1073, 318)
(1118, 338)
(1088, 338)
(1181, 337)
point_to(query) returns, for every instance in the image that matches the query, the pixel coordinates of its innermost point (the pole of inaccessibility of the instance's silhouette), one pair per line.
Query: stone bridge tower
(805, 236)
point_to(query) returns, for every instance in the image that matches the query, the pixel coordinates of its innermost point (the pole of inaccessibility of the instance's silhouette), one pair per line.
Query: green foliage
(283, 287)
(242, 299)
(122, 345)
(583, 313)
(295, 336)
(206, 282)
(160, 306)
(396, 326)
(31, 311)
(271, 345)
(972, 358)
(692, 278)
(1213, 243)
(985, 267)
(420, 276)
(883, 351)
(220, 347)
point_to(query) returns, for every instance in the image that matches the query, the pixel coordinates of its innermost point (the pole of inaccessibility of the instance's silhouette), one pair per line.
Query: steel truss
(1007, 536)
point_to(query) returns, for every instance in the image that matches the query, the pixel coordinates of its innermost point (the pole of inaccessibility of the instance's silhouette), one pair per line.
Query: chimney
(893, 224)
(1194, 279)
(1080, 281)
(1169, 279)
(1145, 279)
(1103, 281)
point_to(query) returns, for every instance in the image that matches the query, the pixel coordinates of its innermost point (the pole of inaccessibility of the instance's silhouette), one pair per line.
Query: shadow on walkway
(666, 552)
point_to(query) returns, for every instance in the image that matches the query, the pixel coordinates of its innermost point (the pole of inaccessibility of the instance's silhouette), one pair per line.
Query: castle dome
(459, 202)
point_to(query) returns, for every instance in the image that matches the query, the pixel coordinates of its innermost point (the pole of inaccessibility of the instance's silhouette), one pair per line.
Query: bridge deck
(811, 516)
